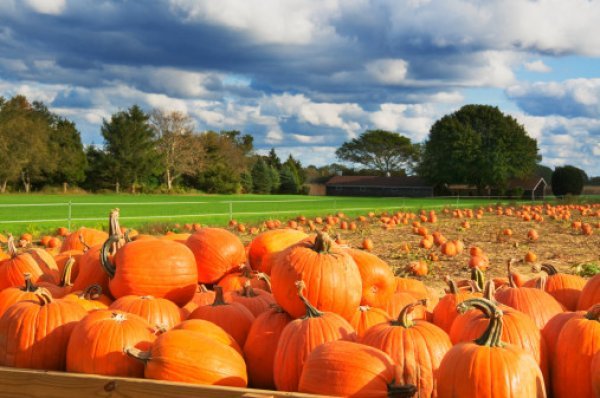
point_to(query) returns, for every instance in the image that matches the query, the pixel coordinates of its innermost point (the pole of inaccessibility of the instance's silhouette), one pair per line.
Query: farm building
(533, 188)
(378, 186)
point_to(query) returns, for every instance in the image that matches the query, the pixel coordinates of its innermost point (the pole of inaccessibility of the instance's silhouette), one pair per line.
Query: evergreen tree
(289, 180)
(261, 177)
(66, 146)
(275, 180)
(246, 181)
(273, 160)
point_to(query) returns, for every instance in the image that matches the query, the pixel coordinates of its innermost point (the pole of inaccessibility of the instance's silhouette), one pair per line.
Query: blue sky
(305, 76)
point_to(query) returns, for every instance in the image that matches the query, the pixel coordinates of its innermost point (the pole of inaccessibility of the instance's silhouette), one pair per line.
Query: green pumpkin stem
(403, 319)
(311, 312)
(322, 243)
(492, 334)
(478, 277)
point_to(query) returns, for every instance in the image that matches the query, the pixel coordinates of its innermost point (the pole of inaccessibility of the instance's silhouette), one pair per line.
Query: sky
(305, 76)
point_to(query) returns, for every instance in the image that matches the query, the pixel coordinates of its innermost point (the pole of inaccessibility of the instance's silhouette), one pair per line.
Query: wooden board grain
(25, 383)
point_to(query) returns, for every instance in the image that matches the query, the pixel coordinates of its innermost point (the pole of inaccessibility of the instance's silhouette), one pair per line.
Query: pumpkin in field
(416, 347)
(62, 258)
(399, 300)
(332, 279)
(36, 262)
(12, 295)
(65, 285)
(203, 296)
(256, 300)
(188, 356)
(552, 330)
(97, 344)
(34, 333)
(303, 335)
(590, 294)
(82, 238)
(217, 252)
(237, 280)
(577, 344)
(261, 344)
(378, 282)
(234, 318)
(565, 288)
(270, 242)
(595, 370)
(445, 310)
(159, 268)
(91, 298)
(344, 368)
(160, 313)
(486, 367)
(210, 329)
(367, 317)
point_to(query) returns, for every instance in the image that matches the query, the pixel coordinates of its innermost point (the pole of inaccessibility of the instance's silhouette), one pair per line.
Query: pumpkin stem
(86, 247)
(219, 299)
(10, 243)
(593, 313)
(541, 282)
(511, 279)
(311, 312)
(489, 291)
(549, 269)
(403, 319)
(202, 288)
(65, 278)
(44, 296)
(406, 391)
(92, 292)
(115, 229)
(452, 288)
(322, 243)
(136, 353)
(478, 277)
(29, 286)
(247, 290)
(265, 277)
(107, 265)
(493, 332)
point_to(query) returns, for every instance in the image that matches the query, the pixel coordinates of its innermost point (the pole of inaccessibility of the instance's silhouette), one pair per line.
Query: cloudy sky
(304, 76)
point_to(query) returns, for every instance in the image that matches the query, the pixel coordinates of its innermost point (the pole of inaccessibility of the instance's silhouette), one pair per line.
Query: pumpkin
(261, 344)
(270, 242)
(188, 356)
(344, 368)
(303, 335)
(234, 318)
(400, 300)
(97, 344)
(160, 313)
(552, 330)
(577, 344)
(65, 285)
(565, 288)
(35, 262)
(62, 258)
(486, 367)
(209, 329)
(83, 238)
(366, 317)
(256, 300)
(595, 370)
(416, 347)
(590, 294)
(34, 333)
(203, 296)
(91, 298)
(91, 271)
(236, 281)
(536, 303)
(12, 295)
(180, 238)
(377, 278)
(445, 310)
(530, 257)
(217, 252)
(159, 268)
(332, 279)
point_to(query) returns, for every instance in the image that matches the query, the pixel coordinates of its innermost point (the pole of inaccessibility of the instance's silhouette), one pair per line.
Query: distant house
(408, 186)
(534, 188)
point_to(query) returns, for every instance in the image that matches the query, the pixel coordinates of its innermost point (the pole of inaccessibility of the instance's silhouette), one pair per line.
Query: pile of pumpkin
(295, 313)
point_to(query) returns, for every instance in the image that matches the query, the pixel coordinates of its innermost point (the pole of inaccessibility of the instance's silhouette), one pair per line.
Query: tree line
(161, 151)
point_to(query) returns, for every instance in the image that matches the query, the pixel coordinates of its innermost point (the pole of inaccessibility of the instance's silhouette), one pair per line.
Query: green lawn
(38, 212)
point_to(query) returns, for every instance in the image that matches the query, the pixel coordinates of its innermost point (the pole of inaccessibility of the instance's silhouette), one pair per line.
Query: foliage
(261, 177)
(380, 150)
(567, 180)
(478, 145)
(588, 270)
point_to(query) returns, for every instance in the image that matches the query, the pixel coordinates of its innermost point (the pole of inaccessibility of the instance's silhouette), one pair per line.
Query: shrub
(567, 180)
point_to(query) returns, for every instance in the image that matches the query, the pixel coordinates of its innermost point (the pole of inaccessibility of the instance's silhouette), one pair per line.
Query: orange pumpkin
(236, 281)
(97, 344)
(590, 294)
(366, 317)
(377, 278)
(35, 262)
(565, 288)
(91, 298)
(444, 312)
(203, 296)
(83, 238)
(270, 242)
(12, 295)
(160, 313)
(65, 285)
(256, 300)
(209, 329)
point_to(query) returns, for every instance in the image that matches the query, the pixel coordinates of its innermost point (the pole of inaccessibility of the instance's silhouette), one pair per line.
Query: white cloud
(411, 120)
(537, 66)
(52, 7)
(388, 71)
(308, 139)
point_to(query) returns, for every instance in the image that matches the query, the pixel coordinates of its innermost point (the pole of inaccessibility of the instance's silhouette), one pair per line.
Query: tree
(289, 180)
(381, 150)
(180, 153)
(66, 146)
(478, 145)
(543, 171)
(275, 180)
(273, 160)
(98, 175)
(261, 177)
(130, 142)
(567, 180)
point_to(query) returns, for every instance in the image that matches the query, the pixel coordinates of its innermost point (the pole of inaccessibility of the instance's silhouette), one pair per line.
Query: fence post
(230, 211)
(69, 217)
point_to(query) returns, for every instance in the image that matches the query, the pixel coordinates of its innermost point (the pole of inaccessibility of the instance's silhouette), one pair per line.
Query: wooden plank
(25, 383)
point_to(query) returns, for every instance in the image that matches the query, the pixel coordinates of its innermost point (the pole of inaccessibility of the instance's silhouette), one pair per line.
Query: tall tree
(380, 150)
(273, 160)
(478, 145)
(568, 180)
(67, 148)
(130, 142)
(179, 151)
(98, 175)
(262, 177)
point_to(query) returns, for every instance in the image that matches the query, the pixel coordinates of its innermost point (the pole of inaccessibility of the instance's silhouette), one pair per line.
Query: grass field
(38, 213)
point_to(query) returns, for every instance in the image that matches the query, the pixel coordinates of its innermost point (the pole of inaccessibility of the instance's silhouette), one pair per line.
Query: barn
(406, 186)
